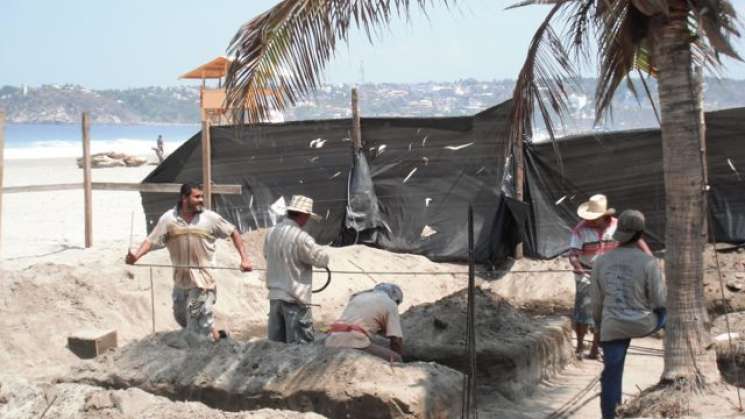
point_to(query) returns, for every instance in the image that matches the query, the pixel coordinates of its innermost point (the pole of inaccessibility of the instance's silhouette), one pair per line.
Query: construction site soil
(45, 299)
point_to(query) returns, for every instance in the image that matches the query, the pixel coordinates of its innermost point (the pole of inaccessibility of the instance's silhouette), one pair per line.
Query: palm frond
(719, 22)
(531, 3)
(279, 55)
(579, 27)
(622, 31)
(543, 79)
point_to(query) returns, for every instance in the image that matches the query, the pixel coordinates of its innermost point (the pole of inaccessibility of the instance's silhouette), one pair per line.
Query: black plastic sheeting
(408, 190)
(627, 167)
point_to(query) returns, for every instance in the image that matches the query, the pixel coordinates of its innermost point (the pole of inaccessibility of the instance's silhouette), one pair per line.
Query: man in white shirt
(370, 313)
(190, 233)
(291, 254)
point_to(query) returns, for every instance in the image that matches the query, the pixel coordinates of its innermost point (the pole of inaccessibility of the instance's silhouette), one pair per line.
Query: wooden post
(2, 168)
(206, 164)
(356, 127)
(519, 183)
(87, 181)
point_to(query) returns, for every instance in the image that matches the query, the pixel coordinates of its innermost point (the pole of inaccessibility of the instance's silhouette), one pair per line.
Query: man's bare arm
(238, 243)
(644, 247)
(574, 261)
(144, 248)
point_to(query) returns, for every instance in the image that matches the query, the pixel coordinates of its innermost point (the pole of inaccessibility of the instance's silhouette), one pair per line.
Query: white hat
(594, 208)
(303, 205)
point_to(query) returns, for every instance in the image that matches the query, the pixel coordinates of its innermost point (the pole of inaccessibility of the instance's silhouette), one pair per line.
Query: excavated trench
(235, 376)
(515, 351)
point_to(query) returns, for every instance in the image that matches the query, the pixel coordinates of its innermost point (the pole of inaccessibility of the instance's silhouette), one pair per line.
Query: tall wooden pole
(356, 126)
(87, 187)
(519, 183)
(2, 169)
(206, 164)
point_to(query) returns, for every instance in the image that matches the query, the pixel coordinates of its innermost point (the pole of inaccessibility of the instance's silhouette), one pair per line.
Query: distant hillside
(60, 104)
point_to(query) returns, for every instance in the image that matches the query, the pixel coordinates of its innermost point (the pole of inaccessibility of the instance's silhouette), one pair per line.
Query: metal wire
(363, 272)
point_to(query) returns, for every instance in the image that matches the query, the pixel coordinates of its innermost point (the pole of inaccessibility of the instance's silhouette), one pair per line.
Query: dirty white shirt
(290, 256)
(374, 312)
(626, 288)
(191, 243)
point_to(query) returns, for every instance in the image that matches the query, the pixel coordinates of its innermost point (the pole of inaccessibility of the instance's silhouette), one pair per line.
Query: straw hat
(630, 222)
(303, 205)
(594, 208)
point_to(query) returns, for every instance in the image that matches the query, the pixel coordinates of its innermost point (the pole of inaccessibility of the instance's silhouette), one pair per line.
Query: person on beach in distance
(159, 150)
(189, 232)
(592, 237)
(628, 301)
(369, 313)
(291, 254)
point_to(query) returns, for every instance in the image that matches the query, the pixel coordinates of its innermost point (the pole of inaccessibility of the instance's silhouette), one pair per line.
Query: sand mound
(44, 300)
(236, 376)
(515, 350)
(20, 399)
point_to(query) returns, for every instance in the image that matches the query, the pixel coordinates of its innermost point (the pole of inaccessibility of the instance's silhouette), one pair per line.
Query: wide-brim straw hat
(596, 207)
(303, 205)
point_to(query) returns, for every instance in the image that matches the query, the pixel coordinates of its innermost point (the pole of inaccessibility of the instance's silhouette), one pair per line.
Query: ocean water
(40, 141)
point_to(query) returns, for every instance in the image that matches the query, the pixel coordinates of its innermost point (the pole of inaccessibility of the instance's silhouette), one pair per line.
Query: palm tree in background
(672, 40)
(286, 49)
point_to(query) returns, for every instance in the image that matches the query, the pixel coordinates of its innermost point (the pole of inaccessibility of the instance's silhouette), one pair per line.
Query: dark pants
(614, 357)
(290, 322)
(611, 380)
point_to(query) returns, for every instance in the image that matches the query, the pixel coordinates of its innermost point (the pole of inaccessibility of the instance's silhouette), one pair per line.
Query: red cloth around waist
(343, 327)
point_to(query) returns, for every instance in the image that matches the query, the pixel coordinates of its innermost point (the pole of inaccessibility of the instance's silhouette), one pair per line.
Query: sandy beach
(38, 223)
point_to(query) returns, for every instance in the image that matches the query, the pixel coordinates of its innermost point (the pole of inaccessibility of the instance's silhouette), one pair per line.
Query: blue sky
(133, 43)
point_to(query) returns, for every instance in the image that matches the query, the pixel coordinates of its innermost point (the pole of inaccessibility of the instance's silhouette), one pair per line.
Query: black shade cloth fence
(409, 188)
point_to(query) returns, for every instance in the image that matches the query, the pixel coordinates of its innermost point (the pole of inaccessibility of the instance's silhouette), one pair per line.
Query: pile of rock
(113, 159)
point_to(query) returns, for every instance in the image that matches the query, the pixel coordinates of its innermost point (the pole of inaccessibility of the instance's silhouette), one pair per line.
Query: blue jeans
(611, 379)
(614, 357)
(290, 322)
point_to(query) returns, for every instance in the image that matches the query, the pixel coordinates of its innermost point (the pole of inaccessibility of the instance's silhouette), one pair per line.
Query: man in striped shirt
(592, 237)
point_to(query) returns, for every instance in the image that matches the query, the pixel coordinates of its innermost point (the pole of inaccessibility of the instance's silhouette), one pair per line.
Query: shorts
(193, 309)
(582, 301)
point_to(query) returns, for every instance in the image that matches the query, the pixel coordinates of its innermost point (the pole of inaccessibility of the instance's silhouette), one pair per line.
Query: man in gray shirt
(628, 301)
(291, 254)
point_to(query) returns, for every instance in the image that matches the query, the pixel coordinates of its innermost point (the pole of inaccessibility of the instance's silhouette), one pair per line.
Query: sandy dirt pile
(21, 399)
(232, 376)
(45, 300)
(548, 286)
(515, 350)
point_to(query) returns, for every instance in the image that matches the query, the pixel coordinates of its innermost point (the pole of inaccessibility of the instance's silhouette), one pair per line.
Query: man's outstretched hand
(130, 259)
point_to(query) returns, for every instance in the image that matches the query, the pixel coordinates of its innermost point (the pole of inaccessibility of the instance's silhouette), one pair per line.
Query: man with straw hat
(291, 254)
(628, 301)
(592, 237)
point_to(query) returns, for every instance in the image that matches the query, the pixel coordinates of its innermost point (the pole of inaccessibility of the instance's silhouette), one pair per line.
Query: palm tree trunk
(687, 335)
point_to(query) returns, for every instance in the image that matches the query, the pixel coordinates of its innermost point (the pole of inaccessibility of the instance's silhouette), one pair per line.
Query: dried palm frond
(621, 30)
(543, 79)
(286, 48)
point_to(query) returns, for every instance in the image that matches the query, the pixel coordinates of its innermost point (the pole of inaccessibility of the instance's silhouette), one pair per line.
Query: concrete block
(91, 343)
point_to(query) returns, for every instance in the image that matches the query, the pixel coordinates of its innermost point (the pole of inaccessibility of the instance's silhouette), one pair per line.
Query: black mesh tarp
(627, 167)
(408, 190)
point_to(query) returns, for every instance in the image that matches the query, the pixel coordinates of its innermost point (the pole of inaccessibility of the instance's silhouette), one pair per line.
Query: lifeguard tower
(212, 107)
